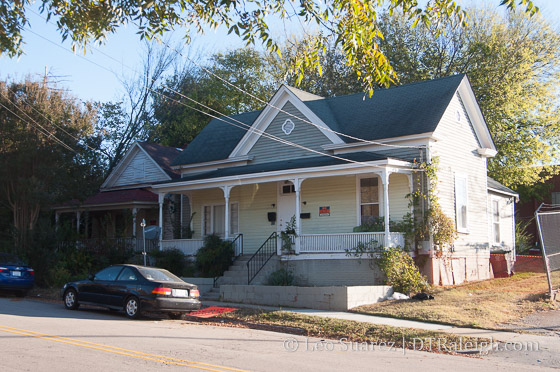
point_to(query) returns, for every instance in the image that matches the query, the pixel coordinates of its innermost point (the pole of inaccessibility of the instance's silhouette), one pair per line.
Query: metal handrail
(233, 243)
(261, 257)
(235, 256)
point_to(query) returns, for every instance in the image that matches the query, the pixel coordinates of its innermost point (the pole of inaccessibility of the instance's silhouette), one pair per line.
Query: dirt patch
(486, 304)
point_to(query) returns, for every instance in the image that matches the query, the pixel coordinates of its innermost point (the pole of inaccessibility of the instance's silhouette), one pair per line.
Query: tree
(42, 158)
(122, 123)
(513, 64)
(352, 24)
(336, 77)
(180, 118)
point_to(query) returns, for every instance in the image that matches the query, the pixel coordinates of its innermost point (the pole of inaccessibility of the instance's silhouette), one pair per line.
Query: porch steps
(237, 274)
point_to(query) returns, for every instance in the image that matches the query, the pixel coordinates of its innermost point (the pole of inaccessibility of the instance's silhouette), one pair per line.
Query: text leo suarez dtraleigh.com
(482, 347)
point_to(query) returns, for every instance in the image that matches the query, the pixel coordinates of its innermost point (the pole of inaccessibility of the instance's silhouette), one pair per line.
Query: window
(109, 273)
(288, 189)
(215, 219)
(288, 126)
(496, 221)
(556, 198)
(369, 200)
(461, 202)
(127, 275)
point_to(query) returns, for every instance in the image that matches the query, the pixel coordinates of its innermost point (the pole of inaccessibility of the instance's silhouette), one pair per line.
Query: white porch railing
(189, 247)
(339, 243)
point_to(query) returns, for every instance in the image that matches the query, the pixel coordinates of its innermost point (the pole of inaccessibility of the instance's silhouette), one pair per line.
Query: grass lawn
(346, 331)
(484, 304)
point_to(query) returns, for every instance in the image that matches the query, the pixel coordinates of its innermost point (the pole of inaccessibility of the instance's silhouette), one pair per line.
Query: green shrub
(282, 277)
(173, 260)
(73, 264)
(401, 271)
(215, 257)
(523, 238)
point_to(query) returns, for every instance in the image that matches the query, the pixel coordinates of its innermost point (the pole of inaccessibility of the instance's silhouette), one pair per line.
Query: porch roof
(112, 198)
(291, 164)
(121, 196)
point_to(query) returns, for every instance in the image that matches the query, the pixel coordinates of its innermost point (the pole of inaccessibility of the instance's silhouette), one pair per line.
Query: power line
(210, 115)
(257, 98)
(42, 130)
(286, 112)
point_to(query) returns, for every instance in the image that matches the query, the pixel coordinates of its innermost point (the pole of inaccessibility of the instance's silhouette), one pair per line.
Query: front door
(286, 208)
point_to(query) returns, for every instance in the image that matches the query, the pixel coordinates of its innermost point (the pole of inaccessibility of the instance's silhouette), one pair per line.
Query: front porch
(326, 211)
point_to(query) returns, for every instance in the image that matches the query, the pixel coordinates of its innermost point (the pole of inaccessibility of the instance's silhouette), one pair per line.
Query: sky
(97, 75)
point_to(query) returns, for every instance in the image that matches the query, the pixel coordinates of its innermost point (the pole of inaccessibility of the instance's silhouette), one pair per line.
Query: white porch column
(411, 186)
(134, 212)
(297, 186)
(385, 180)
(181, 197)
(226, 190)
(56, 220)
(161, 198)
(78, 215)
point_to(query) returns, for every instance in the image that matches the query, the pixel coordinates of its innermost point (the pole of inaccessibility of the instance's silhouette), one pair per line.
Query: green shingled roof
(311, 162)
(399, 111)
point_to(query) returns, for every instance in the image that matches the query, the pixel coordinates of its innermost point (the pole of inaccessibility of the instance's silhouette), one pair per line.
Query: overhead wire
(377, 143)
(326, 128)
(42, 130)
(249, 127)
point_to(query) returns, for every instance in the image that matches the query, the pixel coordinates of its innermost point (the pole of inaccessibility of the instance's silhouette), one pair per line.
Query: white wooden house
(333, 164)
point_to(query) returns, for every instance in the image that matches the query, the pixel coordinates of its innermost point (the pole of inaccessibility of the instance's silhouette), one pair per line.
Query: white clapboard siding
(139, 169)
(457, 152)
(266, 150)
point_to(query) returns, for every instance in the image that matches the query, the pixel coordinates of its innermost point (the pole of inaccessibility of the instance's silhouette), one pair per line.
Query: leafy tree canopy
(513, 64)
(43, 152)
(179, 118)
(352, 24)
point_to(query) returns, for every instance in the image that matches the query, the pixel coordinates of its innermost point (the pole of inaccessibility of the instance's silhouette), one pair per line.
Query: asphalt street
(44, 336)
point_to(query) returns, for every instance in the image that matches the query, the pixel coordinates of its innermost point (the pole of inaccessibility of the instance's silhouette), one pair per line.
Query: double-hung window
(369, 200)
(496, 221)
(461, 202)
(215, 219)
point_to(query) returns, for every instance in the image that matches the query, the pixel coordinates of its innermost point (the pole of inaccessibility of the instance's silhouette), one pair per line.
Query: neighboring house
(125, 198)
(332, 164)
(526, 209)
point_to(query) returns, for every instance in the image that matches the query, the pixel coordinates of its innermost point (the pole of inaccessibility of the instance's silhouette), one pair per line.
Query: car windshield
(158, 275)
(8, 259)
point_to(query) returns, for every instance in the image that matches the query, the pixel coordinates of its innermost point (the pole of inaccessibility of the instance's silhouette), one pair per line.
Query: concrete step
(235, 267)
(235, 273)
(232, 280)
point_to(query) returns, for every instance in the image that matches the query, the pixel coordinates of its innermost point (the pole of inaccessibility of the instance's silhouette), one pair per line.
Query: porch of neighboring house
(326, 212)
(111, 218)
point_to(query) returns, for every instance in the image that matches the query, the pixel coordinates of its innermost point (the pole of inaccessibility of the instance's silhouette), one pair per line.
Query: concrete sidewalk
(527, 350)
(503, 336)
(343, 315)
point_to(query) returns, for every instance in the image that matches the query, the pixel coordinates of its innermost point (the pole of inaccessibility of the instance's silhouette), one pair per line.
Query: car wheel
(132, 308)
(71, 299)
(175, 316)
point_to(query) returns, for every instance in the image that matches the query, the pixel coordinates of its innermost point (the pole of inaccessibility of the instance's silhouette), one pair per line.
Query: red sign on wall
(324, 211)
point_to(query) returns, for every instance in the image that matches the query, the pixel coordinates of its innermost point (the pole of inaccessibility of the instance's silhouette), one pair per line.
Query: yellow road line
(120, 351)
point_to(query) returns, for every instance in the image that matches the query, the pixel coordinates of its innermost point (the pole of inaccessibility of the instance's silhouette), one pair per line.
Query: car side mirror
(91, 277)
